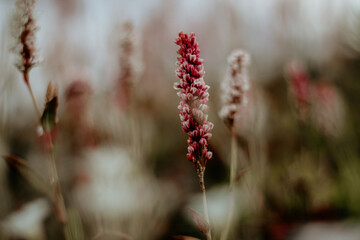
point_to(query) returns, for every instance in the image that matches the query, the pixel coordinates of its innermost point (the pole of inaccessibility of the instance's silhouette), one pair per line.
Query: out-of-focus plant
(130, 66)
(23, 30)
(300, 89)
(27, 222)
(318, 104)
(234, 89)
(328, 110)
(24, 33)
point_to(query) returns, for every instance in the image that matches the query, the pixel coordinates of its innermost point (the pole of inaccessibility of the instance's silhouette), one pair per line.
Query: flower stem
(233, 163)
(233, 168)
(32, 96)
(58, 199)
(203, 190)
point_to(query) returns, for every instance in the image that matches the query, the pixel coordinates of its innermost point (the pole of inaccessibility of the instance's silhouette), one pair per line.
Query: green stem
(58, 200)
(203, 190)
(233, 163)
(233, 168)
(33, 99)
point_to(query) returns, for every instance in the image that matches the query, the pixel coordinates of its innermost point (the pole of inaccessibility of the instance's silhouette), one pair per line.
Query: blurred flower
(300, 89)
(328, 109)
(342, 230)
(77, 96)
(319, 104)
(23, 30)
(194, 97)
(76, 116)
(123, 195)
(235, 85)
(131, 66)
(27, 222)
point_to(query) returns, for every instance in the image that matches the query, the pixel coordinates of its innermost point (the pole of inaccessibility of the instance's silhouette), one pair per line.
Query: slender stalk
(257, 175)
(54, 174)
(233, 163)
(134, 127)
(233, 168)
(58, 199)
(26, 77)
(203, 190)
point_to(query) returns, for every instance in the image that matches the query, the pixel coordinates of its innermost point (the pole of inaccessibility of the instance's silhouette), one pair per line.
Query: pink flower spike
(193, 99)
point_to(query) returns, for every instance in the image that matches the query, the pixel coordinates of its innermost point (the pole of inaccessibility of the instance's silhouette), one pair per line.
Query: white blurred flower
(28, 221)
(235, 85)
(328, 231)
(218, 205)
(121, 193)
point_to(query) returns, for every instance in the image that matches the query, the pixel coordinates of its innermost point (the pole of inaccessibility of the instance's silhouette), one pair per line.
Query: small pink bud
(207, 136)
(177, 86)
(195, 145)
(202, 141)
(208, 155)
(190, 149)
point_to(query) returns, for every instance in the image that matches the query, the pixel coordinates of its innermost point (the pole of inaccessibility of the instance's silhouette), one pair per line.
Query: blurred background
(121, 152)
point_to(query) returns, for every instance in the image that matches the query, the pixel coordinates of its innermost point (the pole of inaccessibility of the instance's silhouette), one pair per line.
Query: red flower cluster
(194, 96)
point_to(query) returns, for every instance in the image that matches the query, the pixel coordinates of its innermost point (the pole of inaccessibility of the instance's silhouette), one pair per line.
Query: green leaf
(199, 221)
(48, 119)
(29, 174)
(74, 228)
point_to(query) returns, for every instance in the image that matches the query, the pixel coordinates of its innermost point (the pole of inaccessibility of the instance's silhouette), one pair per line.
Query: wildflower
(328, 110)
(194, 96)
(131, 66)
(234, 90)
(24, 30)
(319, 104)
(300, 88)
(76, 117)
(235, 85)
